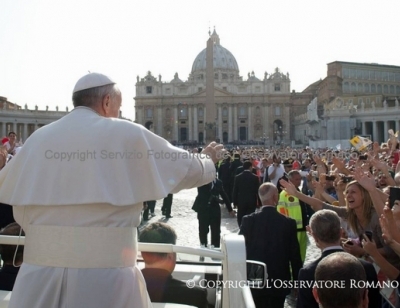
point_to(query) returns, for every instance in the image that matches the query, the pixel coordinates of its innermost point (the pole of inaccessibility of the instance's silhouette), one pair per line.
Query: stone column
(235, 126)
(190, 137)
(25, 133)
(230, 124)
(250, 122)
(195, 124)
(140, 115)
(176, 124)
(160, 121)
(3, 129)
(374, 131)
(363, 128)
(385, 133)
(220, 123)
(396, 125)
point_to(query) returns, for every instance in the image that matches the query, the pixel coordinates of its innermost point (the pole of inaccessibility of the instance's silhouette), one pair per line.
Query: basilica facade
(247, 110)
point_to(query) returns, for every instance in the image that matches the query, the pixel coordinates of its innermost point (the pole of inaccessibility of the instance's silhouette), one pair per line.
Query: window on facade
(385, 89)
(346, 73)
(216, 75)
(149, 89)
(359, 74)
(392, 89)
(277, 110)
(200, 89)
(353, 87)
(373, 88)
(378, 75)
(277, 87)
(201, 112)
(167, 91)
(397, 76)
(224, 76)
(372, 75)
(257, 89)
(391, 76)
(365, 74)
(379, 91)
(346, 87)
(397, 90)
(225, 112)
(242, 111)
(366, 88)
(360, 87)
(182, 111)
(384, 76)
(353, 73)
(149, 113)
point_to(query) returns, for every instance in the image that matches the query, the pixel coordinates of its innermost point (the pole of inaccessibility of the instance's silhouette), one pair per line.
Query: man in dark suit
(272, 238)
(245, 192)
(161, 286)
(224, 174)
(207, 206)
(326, 231)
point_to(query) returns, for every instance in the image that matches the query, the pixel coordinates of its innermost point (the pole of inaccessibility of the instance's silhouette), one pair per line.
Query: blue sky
(47, 45)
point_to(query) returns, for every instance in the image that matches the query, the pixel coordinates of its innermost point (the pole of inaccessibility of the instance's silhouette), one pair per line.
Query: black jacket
(208, 195)
(245, 189)
(162, 287)
(305, 297)
(272, 238)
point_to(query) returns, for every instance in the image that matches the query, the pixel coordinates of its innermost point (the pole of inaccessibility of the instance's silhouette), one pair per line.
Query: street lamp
(279, 134)
(264, 138)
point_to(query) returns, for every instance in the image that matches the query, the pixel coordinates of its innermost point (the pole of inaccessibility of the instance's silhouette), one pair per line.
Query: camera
(363, 157)
(330, 177)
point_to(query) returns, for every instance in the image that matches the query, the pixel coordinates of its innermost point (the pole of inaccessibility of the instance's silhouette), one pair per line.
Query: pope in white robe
(77, 188)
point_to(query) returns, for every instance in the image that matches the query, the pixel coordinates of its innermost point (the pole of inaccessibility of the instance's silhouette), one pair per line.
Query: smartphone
(314, 174)
(394, 195)
(330, 177)
(347, 179)
(363, 157)
(369, 235)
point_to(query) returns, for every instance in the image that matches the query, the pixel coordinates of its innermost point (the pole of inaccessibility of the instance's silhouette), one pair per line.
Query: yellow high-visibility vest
(290, 207)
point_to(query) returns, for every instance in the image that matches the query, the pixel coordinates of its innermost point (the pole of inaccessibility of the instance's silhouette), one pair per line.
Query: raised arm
(315, 203)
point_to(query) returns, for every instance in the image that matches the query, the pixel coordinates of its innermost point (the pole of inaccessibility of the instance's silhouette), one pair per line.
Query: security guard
(207, 206)
(292, 207)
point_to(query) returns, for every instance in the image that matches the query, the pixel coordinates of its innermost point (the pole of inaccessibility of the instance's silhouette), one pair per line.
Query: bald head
(268, 194)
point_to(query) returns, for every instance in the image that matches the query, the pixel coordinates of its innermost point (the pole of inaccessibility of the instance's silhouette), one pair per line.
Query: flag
(360, 143)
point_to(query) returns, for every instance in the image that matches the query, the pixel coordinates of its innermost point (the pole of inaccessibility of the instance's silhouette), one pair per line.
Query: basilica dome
(223, 58)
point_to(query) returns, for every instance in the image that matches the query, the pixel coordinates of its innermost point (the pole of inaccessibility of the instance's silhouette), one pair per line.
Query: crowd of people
(346, 200)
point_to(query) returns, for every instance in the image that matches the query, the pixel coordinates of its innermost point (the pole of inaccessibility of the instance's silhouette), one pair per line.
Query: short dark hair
(158, 233)
(7, 251)
(325, 225)
(247, 165)
(11, 133)
(340, 267)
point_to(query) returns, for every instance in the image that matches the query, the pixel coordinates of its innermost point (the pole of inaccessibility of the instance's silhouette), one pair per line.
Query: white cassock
(77, 188)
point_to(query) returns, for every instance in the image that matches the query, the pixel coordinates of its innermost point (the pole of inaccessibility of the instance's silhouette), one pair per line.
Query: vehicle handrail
(168, 248)
(12, 240)
(150, 247)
